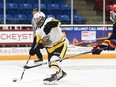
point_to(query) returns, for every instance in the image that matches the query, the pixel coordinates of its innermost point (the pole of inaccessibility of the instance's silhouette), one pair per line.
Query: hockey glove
(48, 43)
(35, 49)
(111, 44)
(32, 52)
(39, 46)
(45, 38)
(98, 49)
(106, 45)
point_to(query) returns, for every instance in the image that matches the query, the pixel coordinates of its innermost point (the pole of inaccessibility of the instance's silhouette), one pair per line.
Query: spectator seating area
(20, 11)
(98, 6)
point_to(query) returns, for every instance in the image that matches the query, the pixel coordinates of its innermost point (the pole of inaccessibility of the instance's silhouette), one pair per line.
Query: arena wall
(22, 34)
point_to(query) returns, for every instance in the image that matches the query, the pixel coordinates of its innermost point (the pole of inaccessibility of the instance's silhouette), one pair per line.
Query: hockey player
(50, 35)
(110, 43)
(34, 27)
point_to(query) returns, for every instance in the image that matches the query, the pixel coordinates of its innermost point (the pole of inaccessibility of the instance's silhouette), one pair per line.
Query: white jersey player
(50, 35)
(53, 35)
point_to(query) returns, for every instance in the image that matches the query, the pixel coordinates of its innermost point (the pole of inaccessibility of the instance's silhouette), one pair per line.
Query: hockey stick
(27, 63)
(24, 68)
(15, 79)
(29, 67)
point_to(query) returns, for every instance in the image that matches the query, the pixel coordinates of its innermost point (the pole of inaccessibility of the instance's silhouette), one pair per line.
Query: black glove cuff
(96, 51)
(32, 52)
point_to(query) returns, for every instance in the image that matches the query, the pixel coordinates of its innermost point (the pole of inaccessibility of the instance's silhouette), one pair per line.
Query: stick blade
(16, 80)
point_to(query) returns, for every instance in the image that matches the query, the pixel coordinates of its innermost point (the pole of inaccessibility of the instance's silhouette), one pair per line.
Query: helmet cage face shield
(39, 18)
(112, 16)
(39, 21)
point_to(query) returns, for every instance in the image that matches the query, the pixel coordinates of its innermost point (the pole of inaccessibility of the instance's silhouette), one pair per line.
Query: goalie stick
(29, 67)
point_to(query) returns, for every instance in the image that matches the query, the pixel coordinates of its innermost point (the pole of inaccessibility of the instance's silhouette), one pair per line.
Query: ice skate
(38, 61)
(53, 80)
(63, 75)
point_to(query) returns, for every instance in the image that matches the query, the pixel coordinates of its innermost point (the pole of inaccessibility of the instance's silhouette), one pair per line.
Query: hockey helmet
(39, 18)
(113, 13)
(112, 16)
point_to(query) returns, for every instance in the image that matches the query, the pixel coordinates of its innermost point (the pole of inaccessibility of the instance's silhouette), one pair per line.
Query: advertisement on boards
(79, 35)
(16, 37)
(78, 38)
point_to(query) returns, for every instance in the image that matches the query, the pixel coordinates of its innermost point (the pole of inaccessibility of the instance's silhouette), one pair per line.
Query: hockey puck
(14, 80)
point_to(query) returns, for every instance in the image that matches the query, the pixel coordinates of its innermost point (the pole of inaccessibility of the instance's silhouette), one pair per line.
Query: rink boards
(85, 32)
(87, 56)
(22, 53)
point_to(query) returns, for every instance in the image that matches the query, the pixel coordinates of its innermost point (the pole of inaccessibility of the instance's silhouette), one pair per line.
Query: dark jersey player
(110, 43)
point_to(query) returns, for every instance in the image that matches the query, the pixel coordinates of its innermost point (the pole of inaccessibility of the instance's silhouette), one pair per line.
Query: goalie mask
(39, 18)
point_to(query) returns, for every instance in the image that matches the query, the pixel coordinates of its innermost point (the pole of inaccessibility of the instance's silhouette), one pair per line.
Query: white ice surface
(80, 73)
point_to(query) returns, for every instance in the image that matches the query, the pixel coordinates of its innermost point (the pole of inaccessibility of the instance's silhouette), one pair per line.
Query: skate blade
(40, 62)
(50, 83)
